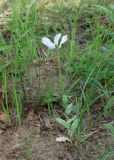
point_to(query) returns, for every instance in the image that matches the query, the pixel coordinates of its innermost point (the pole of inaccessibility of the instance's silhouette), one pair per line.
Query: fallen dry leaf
(45, 119)
(2, 92)
(32, 119)
(3, 117)
(3, 121)
(62, 139)
(1, 131)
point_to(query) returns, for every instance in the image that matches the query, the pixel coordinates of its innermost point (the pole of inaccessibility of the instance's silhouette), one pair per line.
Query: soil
(36, 136)
(36, 140)
(13, 145)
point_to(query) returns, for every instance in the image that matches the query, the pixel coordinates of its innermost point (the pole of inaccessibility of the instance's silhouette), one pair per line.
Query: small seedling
(71, 122)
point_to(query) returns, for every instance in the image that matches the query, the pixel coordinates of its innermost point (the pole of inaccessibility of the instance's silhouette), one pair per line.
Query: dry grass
(2, 1)
(4, 12)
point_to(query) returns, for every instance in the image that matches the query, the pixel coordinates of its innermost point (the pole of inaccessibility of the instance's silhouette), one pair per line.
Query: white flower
(47, 42)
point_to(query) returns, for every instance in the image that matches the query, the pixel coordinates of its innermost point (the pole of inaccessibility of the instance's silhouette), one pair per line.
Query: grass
(81, 72)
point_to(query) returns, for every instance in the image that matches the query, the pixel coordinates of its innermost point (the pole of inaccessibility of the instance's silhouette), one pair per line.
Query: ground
(35, 139)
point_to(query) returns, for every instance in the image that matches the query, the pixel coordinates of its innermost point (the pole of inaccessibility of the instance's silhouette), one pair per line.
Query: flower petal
(47, 42)
(57, 38)
(63, 40)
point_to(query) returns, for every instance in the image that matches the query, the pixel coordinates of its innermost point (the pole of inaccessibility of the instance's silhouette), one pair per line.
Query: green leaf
(110, 127)
(2, 48)
(71, 120)
(69, 109)
(111, 6)
(105, 10)
(62, 122)
(109, 105)
(75, 123)
(65, 100)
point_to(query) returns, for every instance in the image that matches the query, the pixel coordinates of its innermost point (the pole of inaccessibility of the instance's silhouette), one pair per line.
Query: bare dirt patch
(35, 140)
